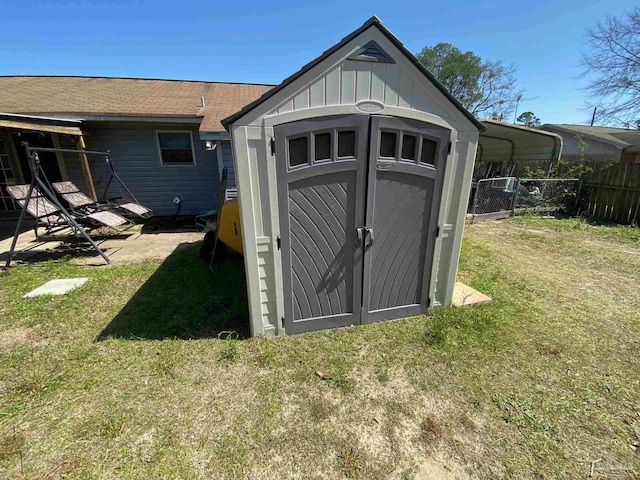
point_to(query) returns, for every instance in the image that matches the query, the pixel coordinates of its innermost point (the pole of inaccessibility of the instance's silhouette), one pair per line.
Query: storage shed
(353, 178)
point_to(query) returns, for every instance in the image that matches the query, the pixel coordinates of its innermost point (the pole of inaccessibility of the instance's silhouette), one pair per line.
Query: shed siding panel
(392, 85)
(136, 160)
(256, 150)
(286, 107)
(302, 100)
(378, 74)
(363, 81)
(332, 87)
(405, 91)
(348, 83)
(316, 96)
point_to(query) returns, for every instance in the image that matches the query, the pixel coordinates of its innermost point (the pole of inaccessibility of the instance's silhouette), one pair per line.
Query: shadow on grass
(183, 299)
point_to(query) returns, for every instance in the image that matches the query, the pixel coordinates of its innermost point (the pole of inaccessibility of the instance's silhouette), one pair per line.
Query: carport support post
(84, 164)
(514, 202)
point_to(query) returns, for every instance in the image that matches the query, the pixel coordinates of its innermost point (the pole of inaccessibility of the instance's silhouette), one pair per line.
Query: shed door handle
(359, 235)
(370, 234)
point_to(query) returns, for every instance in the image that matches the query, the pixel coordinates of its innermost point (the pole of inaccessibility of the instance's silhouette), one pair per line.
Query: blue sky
(264, 42)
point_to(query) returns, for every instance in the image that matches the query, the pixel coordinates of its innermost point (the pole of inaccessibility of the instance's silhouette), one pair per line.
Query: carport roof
(506, 142)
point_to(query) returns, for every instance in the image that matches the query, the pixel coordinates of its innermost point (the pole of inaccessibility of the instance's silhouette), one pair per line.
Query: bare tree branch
(614, 67)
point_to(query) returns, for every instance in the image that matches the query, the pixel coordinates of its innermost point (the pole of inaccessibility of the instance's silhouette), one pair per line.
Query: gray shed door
(358, 197)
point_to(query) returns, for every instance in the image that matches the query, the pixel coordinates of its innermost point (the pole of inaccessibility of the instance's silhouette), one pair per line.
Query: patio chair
(70, 192)
(51, 217)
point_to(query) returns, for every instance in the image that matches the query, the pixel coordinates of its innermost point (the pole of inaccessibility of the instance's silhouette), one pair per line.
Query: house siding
(227, 162)
(136, 160)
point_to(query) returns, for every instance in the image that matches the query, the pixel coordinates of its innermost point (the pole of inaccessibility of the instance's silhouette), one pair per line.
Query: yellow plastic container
(230, 232)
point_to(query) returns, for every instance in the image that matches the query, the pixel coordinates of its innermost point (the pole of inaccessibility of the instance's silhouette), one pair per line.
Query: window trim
(177, 164)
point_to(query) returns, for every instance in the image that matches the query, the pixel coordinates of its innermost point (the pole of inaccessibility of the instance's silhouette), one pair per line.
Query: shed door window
(347, 143)
(298, 151)
(176, 148)
(428, 154)
(408, 147)
(323, 146)
(388, 144)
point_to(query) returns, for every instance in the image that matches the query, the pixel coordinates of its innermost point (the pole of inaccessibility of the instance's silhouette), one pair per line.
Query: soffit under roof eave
(38, 127)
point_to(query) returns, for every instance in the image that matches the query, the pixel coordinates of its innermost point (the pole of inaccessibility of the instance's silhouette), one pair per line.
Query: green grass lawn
(126, 377)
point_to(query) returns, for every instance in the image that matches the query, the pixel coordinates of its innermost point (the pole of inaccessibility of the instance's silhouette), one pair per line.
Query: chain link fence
(495, 198)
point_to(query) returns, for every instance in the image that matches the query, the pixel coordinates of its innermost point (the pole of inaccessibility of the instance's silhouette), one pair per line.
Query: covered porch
(45, 132)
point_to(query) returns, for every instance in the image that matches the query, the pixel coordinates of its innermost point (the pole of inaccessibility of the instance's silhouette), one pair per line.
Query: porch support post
(84, 163)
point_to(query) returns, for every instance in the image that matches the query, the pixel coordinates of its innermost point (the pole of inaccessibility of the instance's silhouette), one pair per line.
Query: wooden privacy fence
(612, 193)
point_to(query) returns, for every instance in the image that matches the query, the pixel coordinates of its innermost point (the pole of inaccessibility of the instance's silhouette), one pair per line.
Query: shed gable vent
(372, 52)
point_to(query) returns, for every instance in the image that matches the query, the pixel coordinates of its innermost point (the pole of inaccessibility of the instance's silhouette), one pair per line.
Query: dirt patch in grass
(12, 337)
(21, 336)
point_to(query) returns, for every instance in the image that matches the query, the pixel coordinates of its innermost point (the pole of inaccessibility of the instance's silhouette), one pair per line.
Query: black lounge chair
(51, 217)
(70, 192)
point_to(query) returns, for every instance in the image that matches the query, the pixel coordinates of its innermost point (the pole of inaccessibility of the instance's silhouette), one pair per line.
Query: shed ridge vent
(372, 52)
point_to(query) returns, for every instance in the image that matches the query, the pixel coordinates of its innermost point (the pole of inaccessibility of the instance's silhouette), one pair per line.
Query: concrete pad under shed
(60, 286)
(465, 295)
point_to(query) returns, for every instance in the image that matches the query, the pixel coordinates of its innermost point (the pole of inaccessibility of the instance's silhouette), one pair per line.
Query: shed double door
(358, 198)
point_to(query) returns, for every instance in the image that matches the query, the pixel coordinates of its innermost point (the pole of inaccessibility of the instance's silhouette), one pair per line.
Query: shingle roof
(48, 95)
(620, 137)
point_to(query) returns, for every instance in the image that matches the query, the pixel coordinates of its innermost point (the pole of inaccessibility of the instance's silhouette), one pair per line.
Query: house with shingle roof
(165, 136)
(597, 144)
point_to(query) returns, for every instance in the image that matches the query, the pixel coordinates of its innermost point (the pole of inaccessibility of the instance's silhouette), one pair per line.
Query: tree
(614, 65)
(485, 88)
(528, 119)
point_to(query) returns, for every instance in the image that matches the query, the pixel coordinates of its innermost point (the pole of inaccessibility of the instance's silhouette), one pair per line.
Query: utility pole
(515, 115)
(593, 117)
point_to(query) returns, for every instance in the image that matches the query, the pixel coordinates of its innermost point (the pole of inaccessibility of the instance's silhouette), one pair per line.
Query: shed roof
(54, 95)
(374, 22)
(624, 138)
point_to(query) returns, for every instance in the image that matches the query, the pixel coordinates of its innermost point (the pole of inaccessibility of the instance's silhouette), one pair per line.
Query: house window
(176, 148)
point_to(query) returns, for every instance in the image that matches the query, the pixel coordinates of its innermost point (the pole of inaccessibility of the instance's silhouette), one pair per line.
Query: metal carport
(506, 150)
